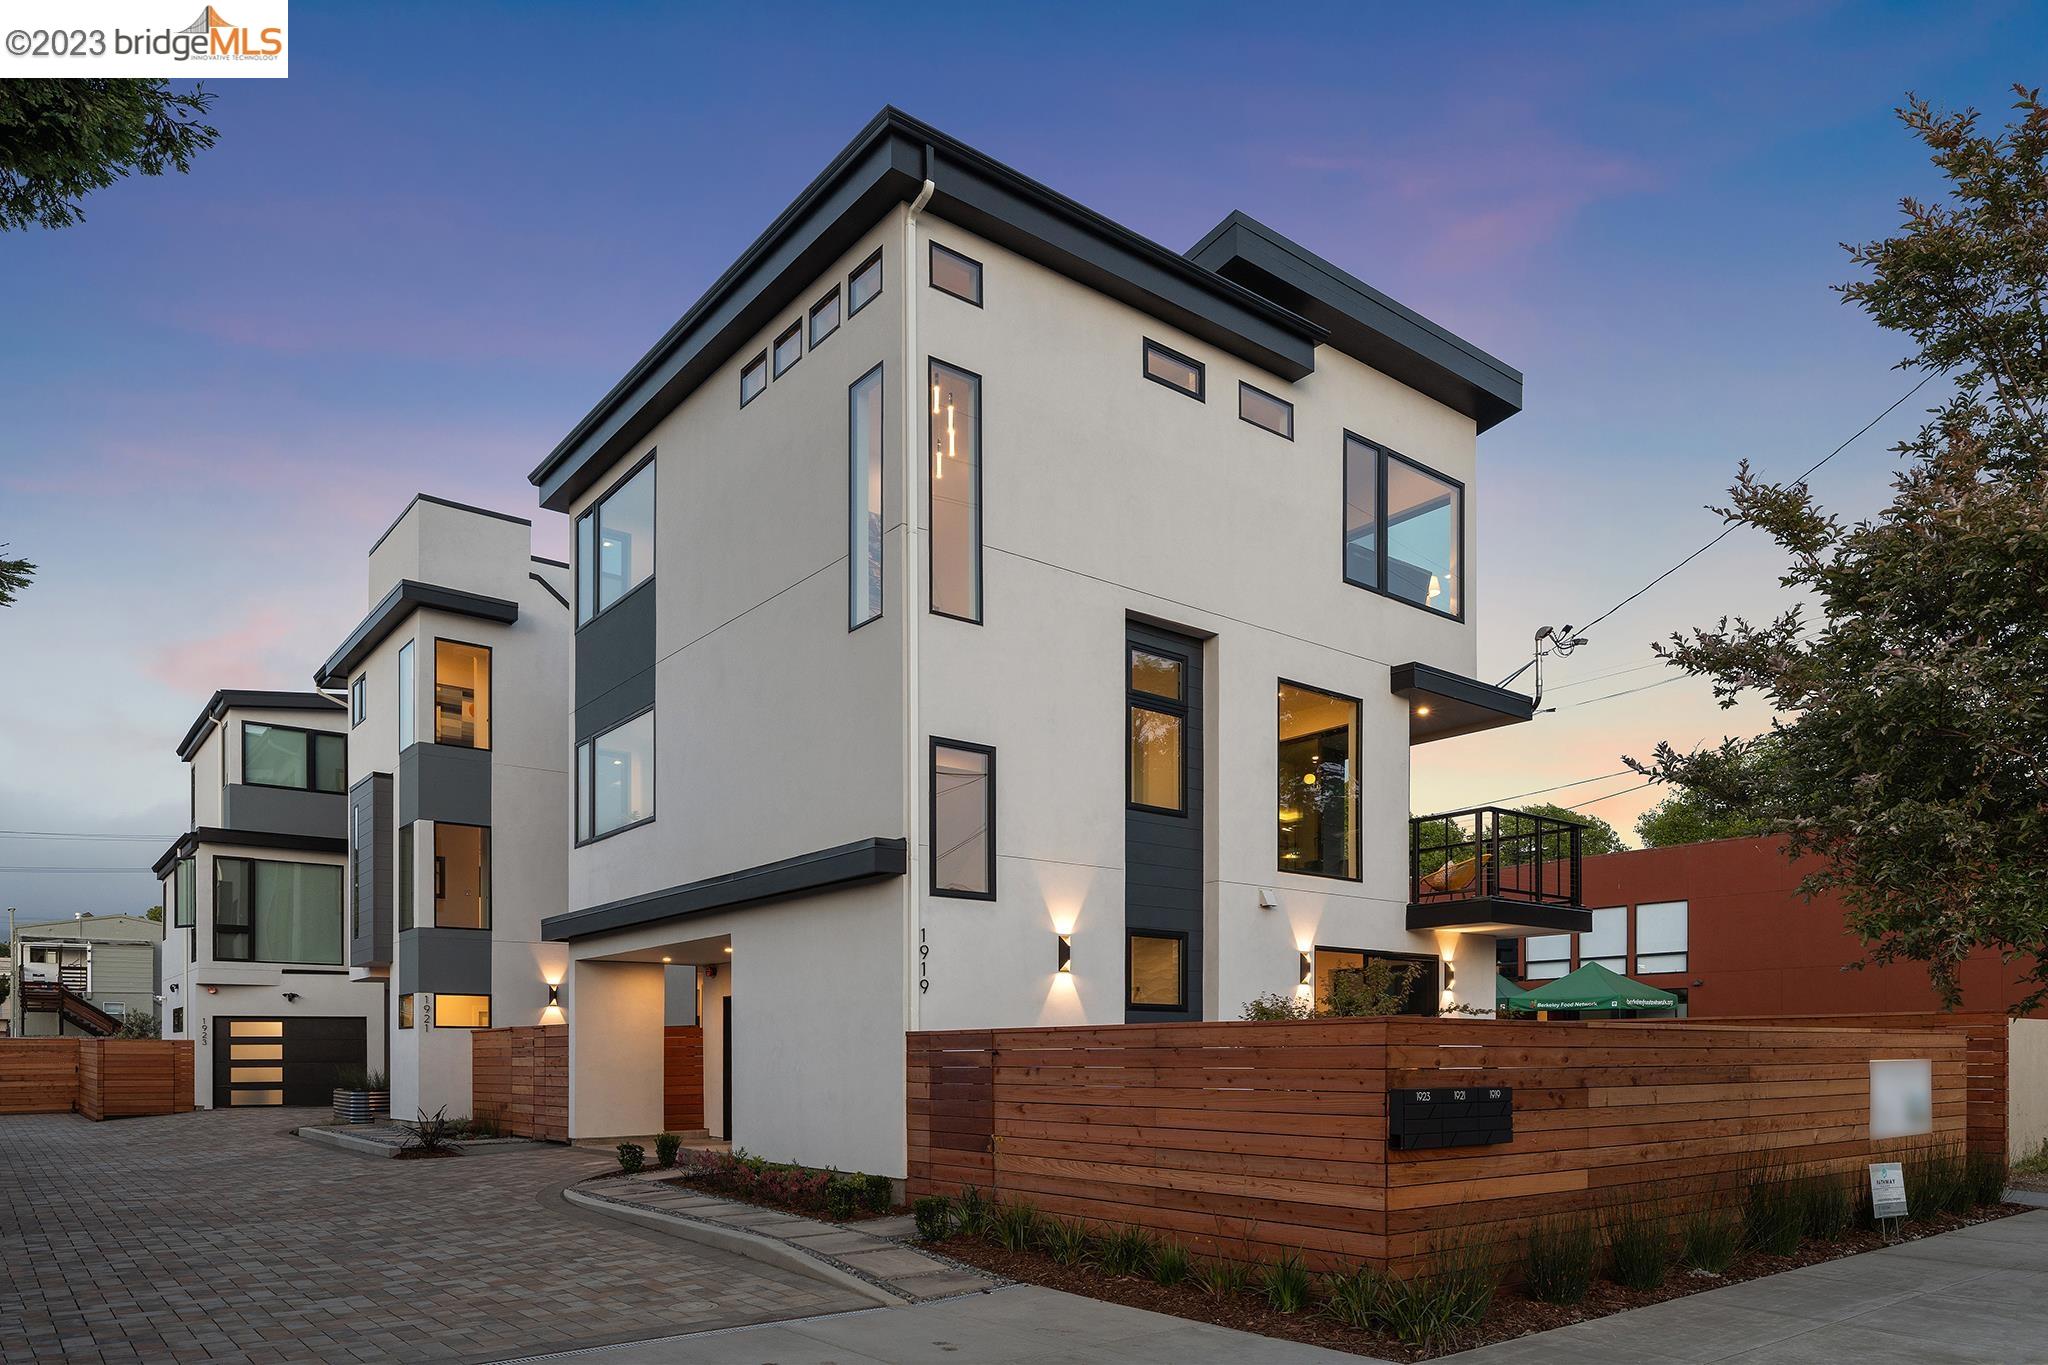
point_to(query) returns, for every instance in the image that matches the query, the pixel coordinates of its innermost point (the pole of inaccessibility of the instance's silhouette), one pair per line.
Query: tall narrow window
(405, 1008)
(407, 887)
(358, 700)
(1607, 941)
(824, 317)
(357, 818)
(615, 543)
(955, 492)
(1318, 771)
(1404, 528)
(462, 694)
(1156, 969)
(407, 696)
(864, 499)
(1157, 706)
(187, 913)
(789, 348)
(955, 274)
(615, 778)
(864, 284)
(462, 876)
(963, 820)
(1361, 513)
(753, 379)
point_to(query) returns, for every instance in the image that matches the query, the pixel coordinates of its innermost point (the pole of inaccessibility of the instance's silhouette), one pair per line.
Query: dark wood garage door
(283, 1061)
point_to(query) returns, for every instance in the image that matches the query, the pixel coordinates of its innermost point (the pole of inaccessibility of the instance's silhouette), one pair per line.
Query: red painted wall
(1754, 946)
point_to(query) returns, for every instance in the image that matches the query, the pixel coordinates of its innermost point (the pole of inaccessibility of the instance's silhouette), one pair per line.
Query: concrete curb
(752, 1245)
(348, 1141)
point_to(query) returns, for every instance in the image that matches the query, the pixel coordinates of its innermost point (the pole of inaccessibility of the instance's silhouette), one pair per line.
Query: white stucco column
(615, 1014)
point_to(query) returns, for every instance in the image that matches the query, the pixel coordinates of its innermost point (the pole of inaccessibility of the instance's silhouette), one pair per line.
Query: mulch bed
(683, 1178)
(1512, 1314)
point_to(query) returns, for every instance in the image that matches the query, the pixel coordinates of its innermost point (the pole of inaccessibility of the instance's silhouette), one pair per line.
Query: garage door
(283, 1061)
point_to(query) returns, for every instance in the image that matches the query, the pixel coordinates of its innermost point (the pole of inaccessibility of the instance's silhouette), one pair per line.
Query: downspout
(913, 767)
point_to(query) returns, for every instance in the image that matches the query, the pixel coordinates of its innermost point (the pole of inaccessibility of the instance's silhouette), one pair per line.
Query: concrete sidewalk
(1974, 1297)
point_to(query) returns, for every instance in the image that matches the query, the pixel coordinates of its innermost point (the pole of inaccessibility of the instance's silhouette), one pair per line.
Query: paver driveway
(217, 1236)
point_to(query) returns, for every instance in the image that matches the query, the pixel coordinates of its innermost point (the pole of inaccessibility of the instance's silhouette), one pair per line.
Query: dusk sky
(415, 263)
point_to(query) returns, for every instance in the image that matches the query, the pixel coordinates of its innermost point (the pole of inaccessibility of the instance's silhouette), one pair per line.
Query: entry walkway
(1974, 1297)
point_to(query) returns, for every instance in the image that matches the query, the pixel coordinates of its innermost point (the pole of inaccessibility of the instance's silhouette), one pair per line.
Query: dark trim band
(217, 707)
(397, 604)
(864, 860)
(185, 845)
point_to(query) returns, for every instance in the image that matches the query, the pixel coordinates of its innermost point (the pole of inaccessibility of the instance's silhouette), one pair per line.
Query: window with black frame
(963, 819)
(1157, 706)
(286, 756)
(1318, 782)
(1155, 970)
(1404, 528)
(266, 911)
(615, 543)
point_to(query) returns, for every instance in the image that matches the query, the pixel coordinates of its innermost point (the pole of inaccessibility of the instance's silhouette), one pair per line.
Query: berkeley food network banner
(168, 39)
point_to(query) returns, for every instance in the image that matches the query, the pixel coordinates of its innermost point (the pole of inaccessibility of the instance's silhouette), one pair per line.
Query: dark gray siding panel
(281, 810)
(457, 961)
(442, 782)
(370, 869)
(615, 663)
(1163, 853)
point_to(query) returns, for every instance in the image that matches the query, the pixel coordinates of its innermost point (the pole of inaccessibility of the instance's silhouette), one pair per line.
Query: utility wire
(1628, 691)
(1503, 800)
(68, 834)
(1620, 791)
(104, 871)
(1612, 673)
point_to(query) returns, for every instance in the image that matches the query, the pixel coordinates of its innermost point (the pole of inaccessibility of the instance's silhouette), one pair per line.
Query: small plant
(1285, 1283)
(432, 1134)
(842, 1196)
(1773, 1215)
(1984, 1173)
(1711, 1239)
(631, 1157)
(1444, 1302)
(1937, 1180)
(1638, 1246)
(1559, 1256)
(975, 1210)
(666, 1145)
(934, 1214)
(1827, 1205)
(1065, 1240)
(1277, 1006)
(1354, 1298)
(1169, 1263)
(877, 1192)
(1222, 1279)
(1125, 1251)
(1015, 1226)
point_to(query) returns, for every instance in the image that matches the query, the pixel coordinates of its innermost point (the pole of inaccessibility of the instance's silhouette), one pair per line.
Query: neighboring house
(82, 976)
(254, 968)
(1722, 924)
(988, 617)
(457, 684)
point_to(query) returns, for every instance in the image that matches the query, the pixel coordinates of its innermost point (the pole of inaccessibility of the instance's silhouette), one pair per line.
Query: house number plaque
(1461, 1116)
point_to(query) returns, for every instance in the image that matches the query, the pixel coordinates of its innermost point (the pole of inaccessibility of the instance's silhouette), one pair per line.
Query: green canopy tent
(1506, 995)
(1593, 988)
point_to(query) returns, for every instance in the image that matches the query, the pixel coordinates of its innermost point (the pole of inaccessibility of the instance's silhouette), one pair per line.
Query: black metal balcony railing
(1492, 853)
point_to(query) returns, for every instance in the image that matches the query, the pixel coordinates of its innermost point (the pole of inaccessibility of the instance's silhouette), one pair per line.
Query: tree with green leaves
(1595, 838)
(1909, 752)
(1694, 817)
(62, 139)
(14, 576)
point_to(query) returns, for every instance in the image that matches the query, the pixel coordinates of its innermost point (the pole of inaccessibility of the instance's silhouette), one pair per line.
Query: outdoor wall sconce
(1308, 969)
(1066, 953)
(554, 996)
(1450, 974)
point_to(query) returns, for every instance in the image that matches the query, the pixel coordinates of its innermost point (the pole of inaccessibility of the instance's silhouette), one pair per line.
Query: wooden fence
(522, 1074)
(682, 1078)
(1248, 1140)
(101, 1078)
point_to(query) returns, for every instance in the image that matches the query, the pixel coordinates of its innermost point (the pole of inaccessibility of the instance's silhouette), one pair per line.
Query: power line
(1619, 791)
(1612, 673)
(1628, 691)
(1503, 800)
(103, 871)
(71, 834)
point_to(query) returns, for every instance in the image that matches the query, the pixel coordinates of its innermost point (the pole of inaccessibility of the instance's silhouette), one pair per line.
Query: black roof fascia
(405, 598)
(217, 706)
(1459, 705)
(185, 845)
(864, 860)
(419, 498)
(887, 164)
(1361, 321)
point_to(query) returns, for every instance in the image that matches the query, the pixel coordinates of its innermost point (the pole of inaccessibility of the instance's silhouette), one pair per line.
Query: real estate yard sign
(1887, 1190)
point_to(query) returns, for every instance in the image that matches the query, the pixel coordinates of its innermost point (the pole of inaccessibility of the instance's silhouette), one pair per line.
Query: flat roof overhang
(1499, 916)
(1442, 704)
(825, 869)
(404, 599)
(219, 703)
(185, 845)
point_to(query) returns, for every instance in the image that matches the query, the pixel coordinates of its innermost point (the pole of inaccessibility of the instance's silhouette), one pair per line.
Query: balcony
(1494, 871)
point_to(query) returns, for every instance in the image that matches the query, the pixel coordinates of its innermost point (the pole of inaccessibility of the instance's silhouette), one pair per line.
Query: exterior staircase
(69, 1006)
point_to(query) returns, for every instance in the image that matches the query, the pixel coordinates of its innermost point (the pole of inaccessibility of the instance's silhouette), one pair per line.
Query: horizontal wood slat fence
(1248, 1140)
(522, 1075)
(101, 1078)
(682, 1078)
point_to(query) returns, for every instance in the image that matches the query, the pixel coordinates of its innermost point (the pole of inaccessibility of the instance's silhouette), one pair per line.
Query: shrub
(1125, 1251)
(877, 1192)
(1559, 1257)
(1827, 1205)
(631, 1155)
(1937, 1181)
(1638, 1246)
(1354, 1298)
(1278, 1005)
(1285, 1283)
(975, 1210)
(1169, 1263)
(433, 1133)
(1711, 1239)
(489, 1121)
(934, 1213)
(1444, 1302)
(666, 1145)
(842, 1196)
(1065, 1240)
(1221, 1279)
(1381, 986)
(1984, 1173)
(1015, 1226)
(1773, 1215)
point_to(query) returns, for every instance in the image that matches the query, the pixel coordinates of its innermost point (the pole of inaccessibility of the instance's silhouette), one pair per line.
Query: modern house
(986, 616)
(1722, 925)
(254, 970)
(457, 684)
(83, 976)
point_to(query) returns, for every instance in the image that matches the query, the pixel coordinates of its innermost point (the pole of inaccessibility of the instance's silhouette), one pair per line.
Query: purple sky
(413, 265)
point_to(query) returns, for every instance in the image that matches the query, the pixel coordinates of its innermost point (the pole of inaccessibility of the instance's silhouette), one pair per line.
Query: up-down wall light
(1066, 953)
(1308, 969)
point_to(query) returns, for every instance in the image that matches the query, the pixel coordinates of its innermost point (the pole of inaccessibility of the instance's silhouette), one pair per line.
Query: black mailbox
(1454, 1116)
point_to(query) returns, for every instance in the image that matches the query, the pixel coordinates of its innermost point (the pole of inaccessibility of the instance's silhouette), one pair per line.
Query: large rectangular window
(462, 694)
(1421, 974)
(185, 913)
(1318, 771)
(462, 876)
(615, 543)
(963, 820)
(1550, 956)
(1156, 763)
(1156, 968)
(1404, 528)
(615, 778)
(267, 911)
(407, 696)
(955, 492)
(1607, 941)
(462, 1011)
(1660, 937)
(284, 756)
(864, 499)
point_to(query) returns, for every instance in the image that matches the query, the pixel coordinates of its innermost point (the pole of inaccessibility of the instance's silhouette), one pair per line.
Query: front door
(1162, 825)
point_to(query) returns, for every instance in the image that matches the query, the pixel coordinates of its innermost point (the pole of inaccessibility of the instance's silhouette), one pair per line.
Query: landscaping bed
(834, 1196)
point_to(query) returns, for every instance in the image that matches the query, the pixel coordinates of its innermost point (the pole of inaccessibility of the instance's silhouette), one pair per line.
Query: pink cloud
(268, 647)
